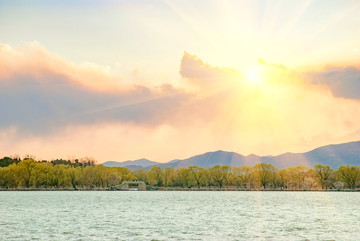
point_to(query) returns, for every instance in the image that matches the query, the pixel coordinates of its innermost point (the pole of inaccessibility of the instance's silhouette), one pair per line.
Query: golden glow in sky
(170, 79)
(254, 77)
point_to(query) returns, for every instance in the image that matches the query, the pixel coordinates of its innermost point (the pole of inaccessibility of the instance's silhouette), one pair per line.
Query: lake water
(57, 215)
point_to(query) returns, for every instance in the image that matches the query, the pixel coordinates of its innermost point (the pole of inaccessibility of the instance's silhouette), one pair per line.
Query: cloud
(34, 60)
(203, 74)
(343, 82)
(50, 107)
(40, 92)
(279, 66)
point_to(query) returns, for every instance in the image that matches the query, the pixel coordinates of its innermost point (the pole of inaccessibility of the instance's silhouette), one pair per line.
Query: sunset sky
(124, 80)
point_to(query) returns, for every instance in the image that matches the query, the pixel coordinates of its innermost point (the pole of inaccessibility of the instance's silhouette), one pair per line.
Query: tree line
(86, 175)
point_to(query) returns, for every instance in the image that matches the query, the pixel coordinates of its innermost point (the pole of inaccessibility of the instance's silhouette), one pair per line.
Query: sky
(164, 80)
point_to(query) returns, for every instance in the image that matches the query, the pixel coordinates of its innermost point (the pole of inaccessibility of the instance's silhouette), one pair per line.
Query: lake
(178, 215)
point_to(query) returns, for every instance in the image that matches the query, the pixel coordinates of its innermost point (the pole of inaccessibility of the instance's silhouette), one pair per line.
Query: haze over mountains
(332, 155)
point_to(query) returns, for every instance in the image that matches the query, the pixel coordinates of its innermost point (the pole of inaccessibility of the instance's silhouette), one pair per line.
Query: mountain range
(332, 155)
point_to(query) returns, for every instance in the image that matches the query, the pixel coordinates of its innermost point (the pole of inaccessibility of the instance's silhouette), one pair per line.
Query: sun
(253, 77)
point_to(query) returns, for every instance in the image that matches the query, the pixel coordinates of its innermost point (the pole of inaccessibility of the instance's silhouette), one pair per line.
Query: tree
(242, 176)
(283, 176)
(219, 174)
(140, 175)
(88, 161)
(7, 161)
(27, 167)
(349, 175)
(207, 177)
(184, 174)
(12, 176)
(58, 174)
(226, 170)
(196, 173)
(167, 174)
(38, 175)
(264, 173)
(155, 176)
(102, 176)
(297, 177)
(125, 174)
(323, 173)
(74, 175)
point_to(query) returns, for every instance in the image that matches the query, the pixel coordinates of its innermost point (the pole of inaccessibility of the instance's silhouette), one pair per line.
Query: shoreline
(151, 189)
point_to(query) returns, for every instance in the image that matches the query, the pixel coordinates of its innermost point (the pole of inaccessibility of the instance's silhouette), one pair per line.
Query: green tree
(350, 175)
(167, 175)
(74, 175)
(12, 176)
(26, 169)
(242, 176)
(38, 173)
(140, 175)
(219, 174)
(323, 173)
(283, 176)
(297, 177)
(124, 174)
(7, 161)
(59, 177)
(264, 174)
(184, 174)
(197, 174)
(155, 176)
(207, 176)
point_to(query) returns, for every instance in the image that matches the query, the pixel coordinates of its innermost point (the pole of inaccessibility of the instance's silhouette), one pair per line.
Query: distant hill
(332, 155)
(210, 159)
(132, 165)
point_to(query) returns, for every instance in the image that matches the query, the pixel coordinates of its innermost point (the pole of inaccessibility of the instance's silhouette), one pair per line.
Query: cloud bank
(40, 92)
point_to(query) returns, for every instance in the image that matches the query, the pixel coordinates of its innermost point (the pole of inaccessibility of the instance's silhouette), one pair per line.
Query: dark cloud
(343, 82)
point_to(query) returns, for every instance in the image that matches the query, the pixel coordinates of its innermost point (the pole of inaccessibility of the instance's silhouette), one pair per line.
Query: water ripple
(179, 216)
